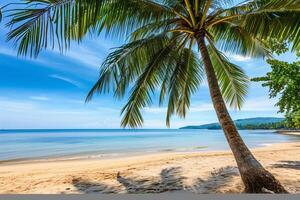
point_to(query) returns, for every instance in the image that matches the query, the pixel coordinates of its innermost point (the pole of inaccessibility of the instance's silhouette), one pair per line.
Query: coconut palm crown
(162, 46)
(170, 46)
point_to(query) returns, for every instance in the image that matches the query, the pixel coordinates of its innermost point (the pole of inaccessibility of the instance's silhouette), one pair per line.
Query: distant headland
(248, 123)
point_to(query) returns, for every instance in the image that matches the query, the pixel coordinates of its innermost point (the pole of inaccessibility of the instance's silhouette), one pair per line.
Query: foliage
(260, 126)
(247, 124)
(277, 47)
(284, 81)
(161, 43)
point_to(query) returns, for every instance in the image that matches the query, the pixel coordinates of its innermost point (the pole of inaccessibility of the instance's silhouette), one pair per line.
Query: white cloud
(254, 104)
(239, 58)
(66, 79)
(64, 113)
(89, 53)
(39, 98)
(200, 107)
(194, 108)
(7, 52)
(85, 56)
(30, 114)
(260, 104)
(155, 110)
(15, 106)
(13, 53)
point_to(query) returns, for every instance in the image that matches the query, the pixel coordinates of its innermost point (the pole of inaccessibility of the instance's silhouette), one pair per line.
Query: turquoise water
(23, 144)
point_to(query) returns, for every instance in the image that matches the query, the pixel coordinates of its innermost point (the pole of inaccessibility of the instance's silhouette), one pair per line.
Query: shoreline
(198, 172)
(97, 155)
(289, 132)
(108, 156)
(110, 151)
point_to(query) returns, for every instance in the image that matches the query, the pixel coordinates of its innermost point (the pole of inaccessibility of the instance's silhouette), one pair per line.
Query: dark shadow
(218, 179)
(85, 186)
(288, 164)
(170, 180)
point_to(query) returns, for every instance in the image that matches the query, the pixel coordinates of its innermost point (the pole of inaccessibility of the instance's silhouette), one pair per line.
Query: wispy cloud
(155, 110)
(85, 56)
(31, 114)
(39, 98)
(90, 53)
(196, 107)
(260, 104)
(239, 58)
(66, 79)
(7, 51)
(15, 106)
(253, 104)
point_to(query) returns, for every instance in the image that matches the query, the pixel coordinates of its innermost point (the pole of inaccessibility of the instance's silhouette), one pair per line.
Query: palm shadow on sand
(86, 186)
(217, 179)
(289, 164)
(170, 179)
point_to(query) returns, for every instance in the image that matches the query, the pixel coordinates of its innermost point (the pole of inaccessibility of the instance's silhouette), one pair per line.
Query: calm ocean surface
(23, 144)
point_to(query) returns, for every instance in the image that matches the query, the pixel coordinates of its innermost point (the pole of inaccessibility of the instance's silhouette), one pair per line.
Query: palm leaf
(264, 19)
(41, 24)
(144, 88)
(233, 39)
(184, 80)
(232, 80)
(125, 64)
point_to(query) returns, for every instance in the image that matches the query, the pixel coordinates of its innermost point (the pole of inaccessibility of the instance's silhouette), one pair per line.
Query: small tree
(284, 82)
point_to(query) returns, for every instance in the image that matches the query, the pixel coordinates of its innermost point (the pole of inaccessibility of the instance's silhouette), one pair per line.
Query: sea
(40, 144)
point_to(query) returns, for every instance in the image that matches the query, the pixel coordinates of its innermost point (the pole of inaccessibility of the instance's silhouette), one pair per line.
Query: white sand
(204, 172)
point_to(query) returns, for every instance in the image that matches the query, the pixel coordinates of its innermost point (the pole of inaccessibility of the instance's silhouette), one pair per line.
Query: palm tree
(161, 54)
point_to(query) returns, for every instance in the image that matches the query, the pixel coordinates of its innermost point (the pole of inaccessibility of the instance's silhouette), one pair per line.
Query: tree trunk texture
(254, 176)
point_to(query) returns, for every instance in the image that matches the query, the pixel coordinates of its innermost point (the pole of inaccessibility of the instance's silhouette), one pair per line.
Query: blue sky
(49, 92)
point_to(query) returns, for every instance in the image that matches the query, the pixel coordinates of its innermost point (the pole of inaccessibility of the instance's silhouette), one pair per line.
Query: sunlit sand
(199, 172)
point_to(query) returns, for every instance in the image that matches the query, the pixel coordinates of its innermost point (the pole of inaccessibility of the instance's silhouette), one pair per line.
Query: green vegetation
(284, 81)
(247, 124)
(171, 45)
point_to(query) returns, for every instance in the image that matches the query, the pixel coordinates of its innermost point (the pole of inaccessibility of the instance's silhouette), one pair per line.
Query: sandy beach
(201, 172)
(289, 132)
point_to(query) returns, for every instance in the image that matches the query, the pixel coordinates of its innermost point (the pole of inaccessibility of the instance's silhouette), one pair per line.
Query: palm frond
(232, 79)
(264, 19)
(144, 88)
(156, 27)
(125, 64)
(281, 26)
(232, 38)
(123, 17)
(183, 81)
(40, 24)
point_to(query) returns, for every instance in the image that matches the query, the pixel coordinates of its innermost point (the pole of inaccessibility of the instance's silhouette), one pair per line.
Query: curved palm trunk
(255, 178)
